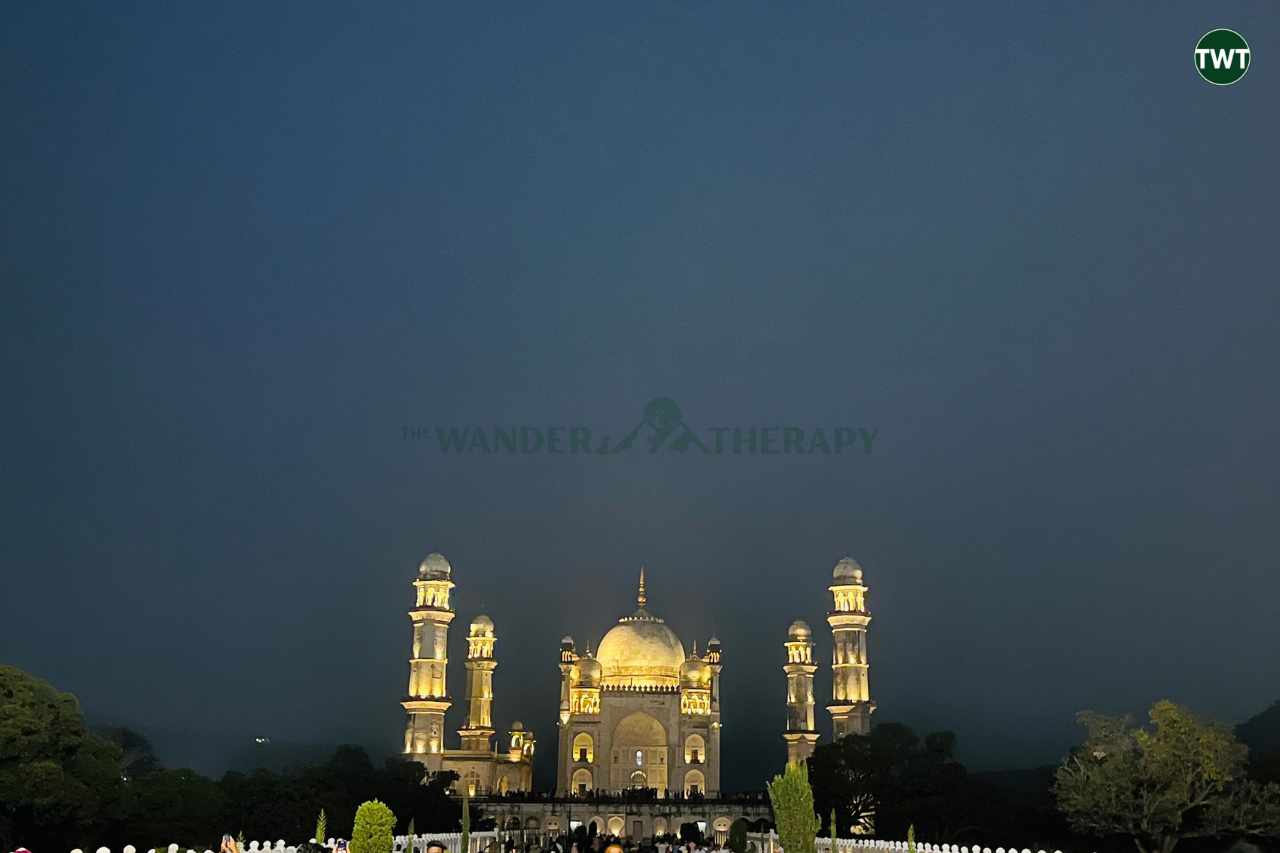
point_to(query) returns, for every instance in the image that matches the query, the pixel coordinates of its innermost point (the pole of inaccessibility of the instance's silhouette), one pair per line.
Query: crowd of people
(599, 844)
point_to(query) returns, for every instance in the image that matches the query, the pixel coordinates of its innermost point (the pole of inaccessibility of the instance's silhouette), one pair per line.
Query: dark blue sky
(245, 245)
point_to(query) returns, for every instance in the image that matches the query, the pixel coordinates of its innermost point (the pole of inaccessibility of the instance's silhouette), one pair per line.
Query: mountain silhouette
(1261, 733)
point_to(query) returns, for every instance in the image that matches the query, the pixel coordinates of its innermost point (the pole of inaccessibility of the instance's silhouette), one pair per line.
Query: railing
(400, 844)
(768, 843)
(764, 843)
(638, 795)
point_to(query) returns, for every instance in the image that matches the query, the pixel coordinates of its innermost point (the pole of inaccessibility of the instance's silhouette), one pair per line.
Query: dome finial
(641, 598)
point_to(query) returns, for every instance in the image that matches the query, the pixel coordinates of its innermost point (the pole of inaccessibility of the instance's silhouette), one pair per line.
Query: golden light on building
(851, 704)
(640, 712)
(478, 729)
(427, 702)
(479, 767)
(801, 735)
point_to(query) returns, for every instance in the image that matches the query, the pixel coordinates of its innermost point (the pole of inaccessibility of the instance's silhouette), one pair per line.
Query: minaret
(568, 657)
(478, 728)
(714, 657)
(851, 704)
(521, 742)
(428, 701)
(801, 735)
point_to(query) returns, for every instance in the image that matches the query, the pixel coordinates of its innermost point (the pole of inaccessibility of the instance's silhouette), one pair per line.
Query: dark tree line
(886, 780)
(63, 786)
(892, 778)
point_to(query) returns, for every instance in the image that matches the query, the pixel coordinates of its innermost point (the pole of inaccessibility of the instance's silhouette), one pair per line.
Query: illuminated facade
(479, 767)
(851, 704)
(801, 735)
(639, 713)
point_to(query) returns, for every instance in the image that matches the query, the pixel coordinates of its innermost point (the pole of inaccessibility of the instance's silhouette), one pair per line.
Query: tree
(137, 757)
(374, 826)
(882, 781)
(1261, 733)
(57, 780)
(792, 800)
(265, 804)
(173, 806)
(847, 781)
(1179, 778)
(466, 819)
(738, 836)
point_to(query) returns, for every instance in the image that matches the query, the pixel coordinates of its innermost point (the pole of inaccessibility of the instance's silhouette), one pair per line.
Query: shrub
(792, 800)
(322, 827)
(466, 819)
(373, 829)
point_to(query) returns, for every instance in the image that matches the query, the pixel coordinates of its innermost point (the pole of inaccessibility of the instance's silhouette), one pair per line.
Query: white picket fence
(768, 843)
(400, 844)
(765, 843)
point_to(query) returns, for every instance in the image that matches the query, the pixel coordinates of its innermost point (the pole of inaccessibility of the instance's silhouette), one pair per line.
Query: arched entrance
(584, 748)
(695, 749)
(639, 753)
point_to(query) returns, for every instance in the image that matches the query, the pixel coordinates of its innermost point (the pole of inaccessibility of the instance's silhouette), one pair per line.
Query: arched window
(639, 780)
(694, 783)
(581, 783)
(584, 748)
(504, 785)
(695, 750)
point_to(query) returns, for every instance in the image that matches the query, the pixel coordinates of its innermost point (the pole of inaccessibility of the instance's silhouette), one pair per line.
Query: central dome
(641, 651)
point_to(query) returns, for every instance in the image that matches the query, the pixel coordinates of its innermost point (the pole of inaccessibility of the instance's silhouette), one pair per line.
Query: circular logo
(1222, 56)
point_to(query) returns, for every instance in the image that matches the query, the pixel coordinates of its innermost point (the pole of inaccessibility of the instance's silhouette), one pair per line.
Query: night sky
(247, 245)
